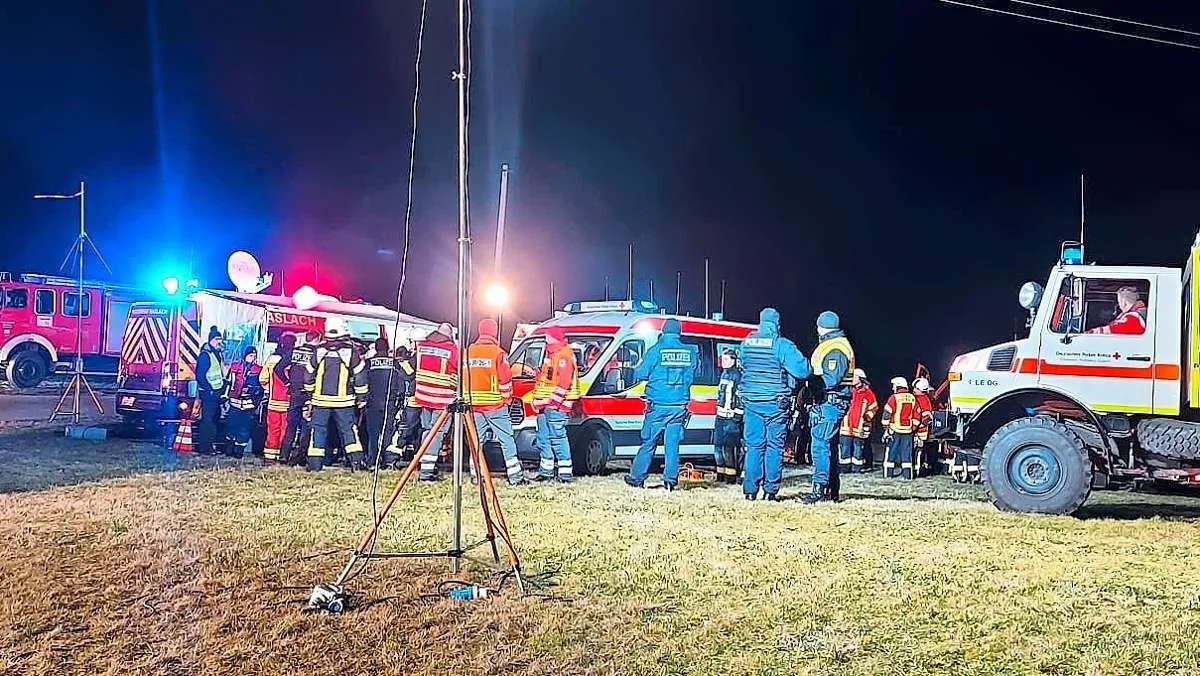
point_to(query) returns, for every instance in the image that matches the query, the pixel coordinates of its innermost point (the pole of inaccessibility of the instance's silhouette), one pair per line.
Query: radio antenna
(1082, 210)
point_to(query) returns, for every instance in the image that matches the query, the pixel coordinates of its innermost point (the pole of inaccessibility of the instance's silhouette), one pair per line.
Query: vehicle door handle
(1138, 357)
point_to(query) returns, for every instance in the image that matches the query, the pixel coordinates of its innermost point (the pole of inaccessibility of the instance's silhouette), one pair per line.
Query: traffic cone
(183, 438)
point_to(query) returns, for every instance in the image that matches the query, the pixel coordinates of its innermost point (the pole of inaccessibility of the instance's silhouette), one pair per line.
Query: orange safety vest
(552, 380)
(485, 391)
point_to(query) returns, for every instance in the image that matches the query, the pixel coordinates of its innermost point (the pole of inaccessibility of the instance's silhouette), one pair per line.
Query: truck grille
(1001, 358)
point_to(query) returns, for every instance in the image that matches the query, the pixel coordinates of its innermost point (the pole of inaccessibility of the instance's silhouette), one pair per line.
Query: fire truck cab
(43, 320)
(609, 339)
(1105, 390)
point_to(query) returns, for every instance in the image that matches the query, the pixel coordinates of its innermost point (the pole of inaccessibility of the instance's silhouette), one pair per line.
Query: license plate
(127, 401)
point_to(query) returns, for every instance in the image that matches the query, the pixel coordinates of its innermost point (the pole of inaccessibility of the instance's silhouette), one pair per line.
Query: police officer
(771, 364)
(297, 436)
(383, 399)
(408, 416)
(833, 365)
(337, 384)
(668, 368)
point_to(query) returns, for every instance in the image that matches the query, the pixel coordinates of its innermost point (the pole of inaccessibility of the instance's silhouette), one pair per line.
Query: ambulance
(156, 379)
(1104, 391)
(609, 339)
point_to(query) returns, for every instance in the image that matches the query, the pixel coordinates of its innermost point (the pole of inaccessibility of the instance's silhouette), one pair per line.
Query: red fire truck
(39, 319)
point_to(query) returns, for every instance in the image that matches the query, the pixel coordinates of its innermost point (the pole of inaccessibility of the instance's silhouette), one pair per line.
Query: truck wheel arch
(1026, 402)
(20, 342)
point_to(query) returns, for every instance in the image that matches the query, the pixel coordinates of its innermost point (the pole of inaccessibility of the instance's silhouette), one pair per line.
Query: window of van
(617, 374)
(43, 302)
(706, 370)
(527, 359)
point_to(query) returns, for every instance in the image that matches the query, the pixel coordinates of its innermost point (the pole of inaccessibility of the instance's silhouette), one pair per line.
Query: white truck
(1075, 405)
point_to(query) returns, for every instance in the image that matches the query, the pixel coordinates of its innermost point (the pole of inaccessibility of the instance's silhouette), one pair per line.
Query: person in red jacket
(554, 395)
(921, 460)
(854, 447)
(1131, 320)
(436, 388)
(900, 420)
(275, 379)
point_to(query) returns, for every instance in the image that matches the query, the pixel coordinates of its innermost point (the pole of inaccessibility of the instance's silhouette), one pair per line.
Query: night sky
(907, 163)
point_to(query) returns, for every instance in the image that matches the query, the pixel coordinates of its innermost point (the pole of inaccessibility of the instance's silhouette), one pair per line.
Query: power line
(1114, 19)
(1072, 25)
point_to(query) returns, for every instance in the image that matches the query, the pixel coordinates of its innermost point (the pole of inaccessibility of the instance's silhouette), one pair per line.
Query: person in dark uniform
(296, 438)
(727, 430)
(408, 415)
(383, 400)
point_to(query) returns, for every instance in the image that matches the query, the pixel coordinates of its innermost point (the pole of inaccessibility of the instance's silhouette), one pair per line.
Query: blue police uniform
(771, 365)
(833, 363)
(668, 368)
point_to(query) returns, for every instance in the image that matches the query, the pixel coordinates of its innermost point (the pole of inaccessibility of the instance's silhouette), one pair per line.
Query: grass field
(112, 566)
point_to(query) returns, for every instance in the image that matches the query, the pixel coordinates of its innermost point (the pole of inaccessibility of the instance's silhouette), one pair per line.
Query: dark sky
(908, 164)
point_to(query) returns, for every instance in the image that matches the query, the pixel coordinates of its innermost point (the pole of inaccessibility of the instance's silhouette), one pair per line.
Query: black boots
(820, 493)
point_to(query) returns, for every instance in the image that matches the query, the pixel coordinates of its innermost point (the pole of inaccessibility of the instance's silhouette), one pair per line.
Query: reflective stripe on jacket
(489, 378)
(558, 381)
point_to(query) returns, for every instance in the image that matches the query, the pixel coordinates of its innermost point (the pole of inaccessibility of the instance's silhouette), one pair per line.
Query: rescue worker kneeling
(771, 364)
(554, 396)
(899, 422)
(489, 380)
(337, 384)
(245, 394)
(668, 368)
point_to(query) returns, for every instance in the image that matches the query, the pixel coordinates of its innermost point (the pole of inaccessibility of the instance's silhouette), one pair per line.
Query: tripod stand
(78, 380)
(489, 502)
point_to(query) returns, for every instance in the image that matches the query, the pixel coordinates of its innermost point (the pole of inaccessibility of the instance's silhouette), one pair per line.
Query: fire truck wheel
(27, 368)
(1169, 438)
(591, 449)
(1037, 465)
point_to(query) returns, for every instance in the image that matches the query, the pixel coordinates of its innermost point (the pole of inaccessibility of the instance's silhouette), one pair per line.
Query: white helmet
(335, 327)
(899, 382)
(860, 374)
(921, 385)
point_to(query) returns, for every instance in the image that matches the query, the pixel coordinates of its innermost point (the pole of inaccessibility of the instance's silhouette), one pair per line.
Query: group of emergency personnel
(755, 399)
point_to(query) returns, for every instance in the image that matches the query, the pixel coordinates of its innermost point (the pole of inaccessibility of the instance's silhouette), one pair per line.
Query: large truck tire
(1036, 465)
(27, 368)
(1170, 438)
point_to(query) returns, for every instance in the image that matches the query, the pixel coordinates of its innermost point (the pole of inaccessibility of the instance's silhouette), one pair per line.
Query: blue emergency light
(1072, 253)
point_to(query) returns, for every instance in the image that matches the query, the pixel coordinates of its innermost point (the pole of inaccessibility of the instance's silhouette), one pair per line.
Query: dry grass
(183, 572)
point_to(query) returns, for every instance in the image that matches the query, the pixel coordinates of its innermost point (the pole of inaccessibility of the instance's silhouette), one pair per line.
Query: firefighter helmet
(335, 327)
(899, 382)
(921, 385)
(860, 374)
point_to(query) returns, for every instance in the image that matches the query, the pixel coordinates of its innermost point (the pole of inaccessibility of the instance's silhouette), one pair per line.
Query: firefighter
(407, 424)
(833, 364)
(899, 422)
(245, 394)
(727, 429)
(668, 368)
(489, 391)
(297, 436)
(383, 399)
(854, 446)
(771, 365)
(337, 383)
(554, 395)
(274, 379)
(210, 383)
(920, 392)
(436, 388)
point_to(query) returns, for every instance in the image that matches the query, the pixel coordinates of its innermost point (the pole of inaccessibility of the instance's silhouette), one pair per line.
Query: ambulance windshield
(588, 349)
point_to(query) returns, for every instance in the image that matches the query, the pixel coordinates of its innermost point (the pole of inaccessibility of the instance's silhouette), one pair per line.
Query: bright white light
(170, 285)
(306, 298)
(496, 295)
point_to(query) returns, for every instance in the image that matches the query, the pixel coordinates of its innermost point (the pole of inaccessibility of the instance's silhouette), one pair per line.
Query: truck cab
(1087, 398)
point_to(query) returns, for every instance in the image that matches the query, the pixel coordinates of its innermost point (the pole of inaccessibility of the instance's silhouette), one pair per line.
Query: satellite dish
(244, 272)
